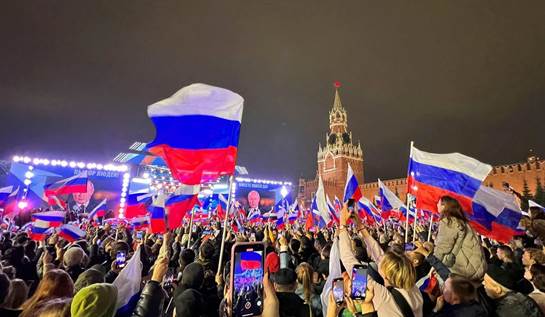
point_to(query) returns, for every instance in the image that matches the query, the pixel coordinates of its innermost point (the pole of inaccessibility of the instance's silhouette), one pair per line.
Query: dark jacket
(472, 309)
(291, 305)
(151, 302)
(516, 304)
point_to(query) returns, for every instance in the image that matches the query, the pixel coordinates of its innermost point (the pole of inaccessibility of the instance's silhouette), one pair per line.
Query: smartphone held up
(247, 271)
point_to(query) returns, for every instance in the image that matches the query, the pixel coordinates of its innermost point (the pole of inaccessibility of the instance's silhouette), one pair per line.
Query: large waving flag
(137, 204)
(4, 194)
(495, 214)
(140, 223)
(157, 220)
(128, 285)
(70, 185)
(254, 216)
(178, 205)
(320, 207)
(10, 203)
(197, 132)
(432, 176)
(389, 203)
(55, 218)
(351, 189)
(71, 233)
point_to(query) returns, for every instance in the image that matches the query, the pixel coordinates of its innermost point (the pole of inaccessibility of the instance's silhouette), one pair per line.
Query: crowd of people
(456, 273)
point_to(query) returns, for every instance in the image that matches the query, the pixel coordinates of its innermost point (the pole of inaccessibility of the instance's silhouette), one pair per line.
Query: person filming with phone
(398, 294)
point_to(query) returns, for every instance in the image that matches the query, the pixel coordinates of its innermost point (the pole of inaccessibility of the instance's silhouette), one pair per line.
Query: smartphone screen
(120, 259)
(338, 290)
(139, 235)
(359, 281)
(409, 246)
(247, 282)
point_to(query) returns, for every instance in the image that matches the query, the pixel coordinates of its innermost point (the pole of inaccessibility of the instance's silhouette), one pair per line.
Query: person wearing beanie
(188, 299)
(73, 261)
(88, 277)
(97, 300)
(499, 285)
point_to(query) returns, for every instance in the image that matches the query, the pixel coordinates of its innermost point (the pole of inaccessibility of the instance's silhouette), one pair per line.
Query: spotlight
(29, 174)
(22, 204)
(27, 182)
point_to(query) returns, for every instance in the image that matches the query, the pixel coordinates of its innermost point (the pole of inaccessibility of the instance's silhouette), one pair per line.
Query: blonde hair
(304, 274)
(398, 270)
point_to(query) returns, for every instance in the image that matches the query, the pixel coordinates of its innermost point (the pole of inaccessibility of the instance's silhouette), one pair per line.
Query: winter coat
(151, 302)
(469, 260)
(472, 309)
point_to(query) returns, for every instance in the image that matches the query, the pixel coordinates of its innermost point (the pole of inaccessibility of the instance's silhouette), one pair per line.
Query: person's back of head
(451, 209)
(206, 251)
(88, 277)
(58, 307)
(463, 291)
(506, 254)
(189, 303)
(397, 270)
(187, 256)
(295, 245)
(304, 278)
(285, 280)
(54, 284)
(17, 295)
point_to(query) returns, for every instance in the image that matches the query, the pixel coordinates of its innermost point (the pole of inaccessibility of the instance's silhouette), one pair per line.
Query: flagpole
(408, 190)
(414, 225)
(190, 226)
(231, 181)
(429, 230)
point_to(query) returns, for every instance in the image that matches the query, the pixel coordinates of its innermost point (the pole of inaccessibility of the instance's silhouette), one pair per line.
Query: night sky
(467, 76)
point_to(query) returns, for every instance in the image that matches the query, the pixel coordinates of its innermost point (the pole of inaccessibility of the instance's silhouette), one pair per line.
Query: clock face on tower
(346, 138)
(332, 139)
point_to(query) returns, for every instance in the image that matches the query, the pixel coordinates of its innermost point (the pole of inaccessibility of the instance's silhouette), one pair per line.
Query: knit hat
(97, 300)
(73, 256)
(272, 262)
(89, 277)
(502, 276)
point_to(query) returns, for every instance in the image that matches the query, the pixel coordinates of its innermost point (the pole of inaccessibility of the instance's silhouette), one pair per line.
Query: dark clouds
(76, 76)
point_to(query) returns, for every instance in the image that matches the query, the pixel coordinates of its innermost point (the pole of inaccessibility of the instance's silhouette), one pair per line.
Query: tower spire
(337, 102)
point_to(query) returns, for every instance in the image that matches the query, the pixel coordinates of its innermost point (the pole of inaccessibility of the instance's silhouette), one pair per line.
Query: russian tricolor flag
(137, 204)
(10, 203)
(495, 214)
(432, 176)
(197, 132)
(157, 220)
(71, 233)
(351, 189)
(55, 218)
(294, 213)
(370, 212)
(4, 194)
(280, 217)
(74, 184)
(250, 261)
(140, 223)
(179, 205)
(39, 230)
(222, 206)
(254, 216)
(332, 212)
(389, 203)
